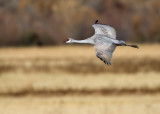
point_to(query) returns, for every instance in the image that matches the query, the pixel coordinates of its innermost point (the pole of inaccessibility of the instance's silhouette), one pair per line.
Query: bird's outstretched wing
(104, 51)
(105, 30)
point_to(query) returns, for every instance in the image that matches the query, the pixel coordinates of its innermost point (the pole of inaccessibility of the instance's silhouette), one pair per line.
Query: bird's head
(68, 40)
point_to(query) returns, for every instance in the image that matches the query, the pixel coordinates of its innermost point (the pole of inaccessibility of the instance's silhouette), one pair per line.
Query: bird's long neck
(88, 41)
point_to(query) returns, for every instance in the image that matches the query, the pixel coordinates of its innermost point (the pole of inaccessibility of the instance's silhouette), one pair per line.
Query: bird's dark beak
(64, 42)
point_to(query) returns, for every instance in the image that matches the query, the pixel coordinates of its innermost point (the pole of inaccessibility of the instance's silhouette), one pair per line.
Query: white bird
(104, 41)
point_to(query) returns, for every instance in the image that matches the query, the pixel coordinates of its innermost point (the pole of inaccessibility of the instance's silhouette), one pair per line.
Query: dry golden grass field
(71, 80)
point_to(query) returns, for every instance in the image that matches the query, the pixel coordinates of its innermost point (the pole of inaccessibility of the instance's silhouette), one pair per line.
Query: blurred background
(35, 22)
(40, 74)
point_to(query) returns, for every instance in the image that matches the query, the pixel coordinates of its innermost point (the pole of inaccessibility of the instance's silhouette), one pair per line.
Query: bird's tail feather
(134, 46)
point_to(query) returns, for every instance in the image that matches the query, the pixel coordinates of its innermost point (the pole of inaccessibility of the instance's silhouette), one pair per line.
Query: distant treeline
(39, 22)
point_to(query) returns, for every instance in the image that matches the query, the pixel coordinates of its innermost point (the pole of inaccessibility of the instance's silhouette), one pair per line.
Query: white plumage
(104, 41)
(105, 30)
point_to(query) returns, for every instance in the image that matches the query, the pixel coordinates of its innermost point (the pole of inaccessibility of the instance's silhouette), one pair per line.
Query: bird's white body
(104, 41)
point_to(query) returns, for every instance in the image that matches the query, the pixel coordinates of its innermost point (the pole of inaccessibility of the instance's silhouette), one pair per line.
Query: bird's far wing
(105, 30)
(104, 51)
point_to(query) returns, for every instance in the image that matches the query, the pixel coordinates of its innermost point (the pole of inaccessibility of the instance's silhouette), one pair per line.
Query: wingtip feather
(96, 22)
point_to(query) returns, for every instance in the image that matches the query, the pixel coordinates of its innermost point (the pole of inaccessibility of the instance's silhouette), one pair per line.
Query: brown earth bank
(92, 104)
(43, 84)
(71, 80)
(79, 59)
(71, 92)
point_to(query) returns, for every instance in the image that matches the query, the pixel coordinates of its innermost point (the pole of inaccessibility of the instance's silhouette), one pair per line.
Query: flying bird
(104, 41)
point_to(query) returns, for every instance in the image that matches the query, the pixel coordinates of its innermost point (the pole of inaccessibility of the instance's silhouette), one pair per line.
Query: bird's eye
(67, 39)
